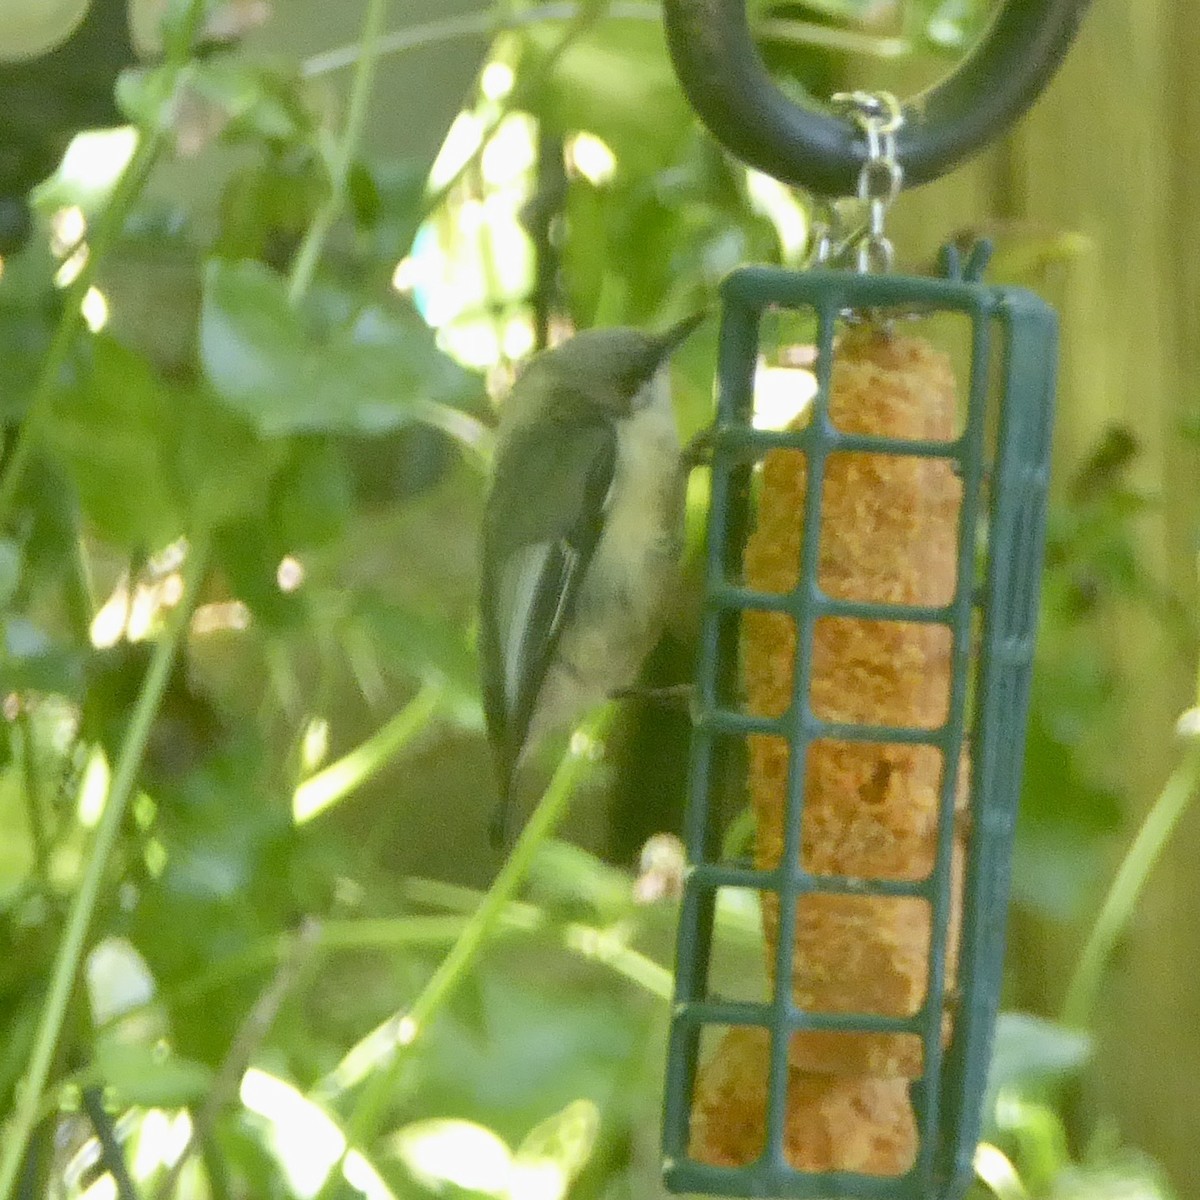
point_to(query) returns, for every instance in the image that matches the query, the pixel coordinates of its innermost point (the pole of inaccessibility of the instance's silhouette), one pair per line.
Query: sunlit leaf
(445, 1151)
(1029, 1049)
(954, 24)
(616, 82)
(28, 30)
(995, 1169)
(1131, 1176)
(121, 992)
(305, 1140)
(564, 1141)
(1034, 1132)
(117, 979)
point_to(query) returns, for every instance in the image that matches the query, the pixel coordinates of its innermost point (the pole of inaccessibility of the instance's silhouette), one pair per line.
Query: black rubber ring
(805, 144)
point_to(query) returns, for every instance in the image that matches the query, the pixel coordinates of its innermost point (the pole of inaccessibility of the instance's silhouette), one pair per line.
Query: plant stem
(584, 16)
(364, 933)
(35, 811)
(365, 761)
(486, 24)
(342, 159)
(71, 947)
(250, 1036)
(108, 229)
(111, 1152)
(452, 971)
(1126, 888)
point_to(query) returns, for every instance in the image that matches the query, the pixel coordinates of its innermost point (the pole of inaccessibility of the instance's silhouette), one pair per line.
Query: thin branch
(111, 1153)
(585, 15)
(469, 25)
(250, 1036)
(453, 970)
(415, 932)
(365, 761)
(1127, 885)
(309, 254)
(71, 946)
(34, 807)
(486, 25)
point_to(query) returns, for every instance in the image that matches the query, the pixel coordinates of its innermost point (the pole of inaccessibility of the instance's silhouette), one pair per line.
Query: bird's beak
(680, 331)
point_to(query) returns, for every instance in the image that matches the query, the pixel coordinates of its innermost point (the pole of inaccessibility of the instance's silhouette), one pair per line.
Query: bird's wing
(544, 518)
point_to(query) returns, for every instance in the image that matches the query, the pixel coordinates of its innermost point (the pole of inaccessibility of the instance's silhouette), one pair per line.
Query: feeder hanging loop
(805, 144)
(879, 116)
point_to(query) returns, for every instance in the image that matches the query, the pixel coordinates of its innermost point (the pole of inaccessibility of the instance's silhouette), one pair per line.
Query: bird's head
(611, 371)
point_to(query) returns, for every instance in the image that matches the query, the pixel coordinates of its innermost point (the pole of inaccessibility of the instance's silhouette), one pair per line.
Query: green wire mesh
(1001, 455)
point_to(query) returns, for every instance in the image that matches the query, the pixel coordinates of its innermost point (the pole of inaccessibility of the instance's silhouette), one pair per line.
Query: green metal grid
(947, 1098)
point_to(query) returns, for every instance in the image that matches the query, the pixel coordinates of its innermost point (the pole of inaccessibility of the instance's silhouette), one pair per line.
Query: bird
(582, 536)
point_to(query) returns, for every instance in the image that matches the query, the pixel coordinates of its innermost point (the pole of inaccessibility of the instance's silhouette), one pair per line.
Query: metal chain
(879, 116)
(822, 235)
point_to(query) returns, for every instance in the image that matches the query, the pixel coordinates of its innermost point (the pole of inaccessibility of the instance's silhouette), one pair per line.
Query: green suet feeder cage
(873, 871)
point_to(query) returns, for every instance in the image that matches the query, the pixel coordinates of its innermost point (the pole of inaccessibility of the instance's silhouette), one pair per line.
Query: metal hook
(804, 144)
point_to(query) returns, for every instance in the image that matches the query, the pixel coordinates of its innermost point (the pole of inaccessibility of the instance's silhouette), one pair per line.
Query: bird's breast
(636, 561)
(622, 599)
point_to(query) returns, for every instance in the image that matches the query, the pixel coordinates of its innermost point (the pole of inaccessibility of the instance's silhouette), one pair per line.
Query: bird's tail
(499, 831)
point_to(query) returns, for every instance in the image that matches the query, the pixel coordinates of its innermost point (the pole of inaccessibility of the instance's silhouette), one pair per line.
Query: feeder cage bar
(1000, 455)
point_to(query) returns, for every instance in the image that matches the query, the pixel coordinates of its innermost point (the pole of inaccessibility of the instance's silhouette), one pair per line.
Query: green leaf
(16, 846)
(856, 14)
(254, 100)
(149, 1076)
(569, 881)
(366, 203)
(34, 663)
(953, 25)
(1031, 1050)
(1131, 1175)
(564, 1141)
(115, 434)
(543, 1048)
(10, 570)
(250, 550)
(269, 204)
(393, 207)
(1066, 819)
(585, 253)
(224, 469)
(144, 95)
(616, 81)
(314, 495)
(121, 994)
(368, 375)
(431, 647)
(29, 309)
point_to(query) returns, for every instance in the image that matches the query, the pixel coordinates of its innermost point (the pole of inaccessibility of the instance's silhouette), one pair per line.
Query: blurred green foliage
(317, 449)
